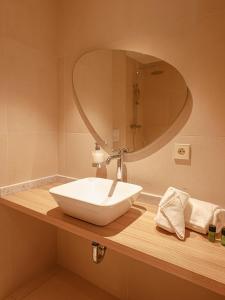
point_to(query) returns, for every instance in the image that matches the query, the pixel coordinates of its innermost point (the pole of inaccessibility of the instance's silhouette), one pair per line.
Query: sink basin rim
(55, 191)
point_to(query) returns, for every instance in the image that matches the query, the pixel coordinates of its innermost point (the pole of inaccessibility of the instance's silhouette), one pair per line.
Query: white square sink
(88, 199)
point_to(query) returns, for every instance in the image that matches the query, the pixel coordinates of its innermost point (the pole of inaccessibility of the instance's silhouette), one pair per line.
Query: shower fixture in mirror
(127, 99)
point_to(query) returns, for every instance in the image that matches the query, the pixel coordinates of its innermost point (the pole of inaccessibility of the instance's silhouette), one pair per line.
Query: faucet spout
(119, 173)
(120, 166)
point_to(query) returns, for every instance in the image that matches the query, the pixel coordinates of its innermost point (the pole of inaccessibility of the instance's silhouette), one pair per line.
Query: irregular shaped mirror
(127, 99)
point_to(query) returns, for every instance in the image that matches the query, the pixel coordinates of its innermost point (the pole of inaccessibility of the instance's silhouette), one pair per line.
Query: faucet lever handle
(123, 150)
(120, 150)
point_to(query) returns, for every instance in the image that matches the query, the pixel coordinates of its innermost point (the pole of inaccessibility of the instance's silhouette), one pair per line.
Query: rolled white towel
(219, 219)
(170, 214)
(199, 214)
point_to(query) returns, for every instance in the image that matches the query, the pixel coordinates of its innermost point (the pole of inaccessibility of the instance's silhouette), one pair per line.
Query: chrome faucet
(119, 155)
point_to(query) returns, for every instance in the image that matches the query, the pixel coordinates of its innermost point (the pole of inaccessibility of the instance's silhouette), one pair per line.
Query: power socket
(182, 152)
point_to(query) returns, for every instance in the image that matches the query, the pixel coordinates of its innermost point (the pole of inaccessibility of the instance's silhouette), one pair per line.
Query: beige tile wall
(27, 248)
(28, 131)
(28, 90)
(189, 35)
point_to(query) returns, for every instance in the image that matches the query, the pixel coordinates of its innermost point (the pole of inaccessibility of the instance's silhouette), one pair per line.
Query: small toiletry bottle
(98, 155)
(223, 236)
(212, 233)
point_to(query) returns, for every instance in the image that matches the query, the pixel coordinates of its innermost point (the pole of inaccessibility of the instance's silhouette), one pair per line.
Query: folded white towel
(199, 214)
(170, 215)
(177, 210)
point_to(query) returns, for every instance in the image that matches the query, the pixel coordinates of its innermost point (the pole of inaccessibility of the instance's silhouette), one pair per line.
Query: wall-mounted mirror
(127, 99)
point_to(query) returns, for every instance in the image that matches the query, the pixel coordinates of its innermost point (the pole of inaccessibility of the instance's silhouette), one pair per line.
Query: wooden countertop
(135, 235)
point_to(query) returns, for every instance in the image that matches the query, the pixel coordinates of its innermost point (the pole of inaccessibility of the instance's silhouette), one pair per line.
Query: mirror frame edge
(151, 148)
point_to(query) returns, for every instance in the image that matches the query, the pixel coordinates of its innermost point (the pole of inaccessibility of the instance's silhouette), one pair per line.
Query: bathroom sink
(95, 200)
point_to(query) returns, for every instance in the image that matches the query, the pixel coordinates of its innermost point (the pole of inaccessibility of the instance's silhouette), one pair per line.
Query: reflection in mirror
(129, 99)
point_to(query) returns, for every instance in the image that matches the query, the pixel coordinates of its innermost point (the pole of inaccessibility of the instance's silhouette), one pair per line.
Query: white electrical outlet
(182, 152)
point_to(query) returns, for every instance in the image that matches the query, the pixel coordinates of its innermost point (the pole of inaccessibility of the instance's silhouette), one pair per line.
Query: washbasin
(95, 200)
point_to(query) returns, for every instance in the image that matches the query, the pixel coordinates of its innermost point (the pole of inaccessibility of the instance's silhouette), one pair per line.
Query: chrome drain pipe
(98, 252)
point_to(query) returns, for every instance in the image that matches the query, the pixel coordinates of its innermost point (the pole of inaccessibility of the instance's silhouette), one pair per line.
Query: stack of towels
(178, 210)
